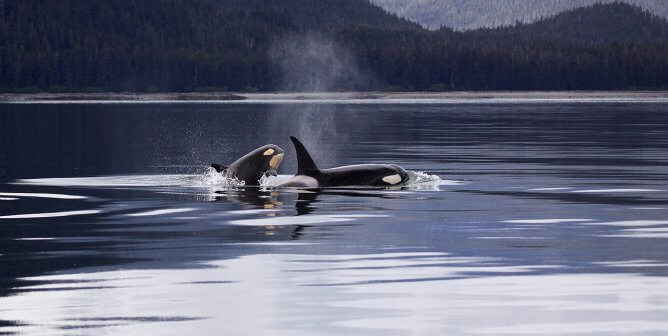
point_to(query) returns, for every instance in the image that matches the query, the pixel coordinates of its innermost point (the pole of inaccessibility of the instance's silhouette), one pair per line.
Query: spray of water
(313, 62)
(214, 179)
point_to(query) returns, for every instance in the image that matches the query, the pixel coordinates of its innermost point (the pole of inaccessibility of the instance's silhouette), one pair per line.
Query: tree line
(249, 45)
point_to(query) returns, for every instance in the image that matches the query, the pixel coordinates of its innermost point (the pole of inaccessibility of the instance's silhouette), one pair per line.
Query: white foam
(52, 214)
(210, 179)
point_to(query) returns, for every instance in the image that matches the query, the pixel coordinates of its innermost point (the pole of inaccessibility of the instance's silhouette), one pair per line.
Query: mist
(313, 63)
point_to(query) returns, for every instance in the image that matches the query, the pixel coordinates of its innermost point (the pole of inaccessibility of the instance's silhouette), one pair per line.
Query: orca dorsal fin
(305, 164)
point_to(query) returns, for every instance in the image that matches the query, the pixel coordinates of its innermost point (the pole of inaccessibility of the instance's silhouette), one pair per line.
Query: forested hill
(473, 14)
(597, 24)
(182, 45)
(165, 44)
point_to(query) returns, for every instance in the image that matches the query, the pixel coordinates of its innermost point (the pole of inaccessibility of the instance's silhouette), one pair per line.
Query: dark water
(544, 218)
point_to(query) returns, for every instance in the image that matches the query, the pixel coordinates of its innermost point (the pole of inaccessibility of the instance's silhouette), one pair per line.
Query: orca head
(251, 167)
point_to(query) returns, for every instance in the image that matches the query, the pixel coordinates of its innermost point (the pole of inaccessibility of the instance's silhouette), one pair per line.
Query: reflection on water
(418, 292)
(528, 219)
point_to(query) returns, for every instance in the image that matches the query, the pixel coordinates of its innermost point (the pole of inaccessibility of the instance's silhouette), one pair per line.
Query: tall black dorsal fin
(305, 164)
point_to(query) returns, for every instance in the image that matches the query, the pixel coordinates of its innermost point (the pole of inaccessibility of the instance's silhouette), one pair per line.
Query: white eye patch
(392, 179)
(268, 151)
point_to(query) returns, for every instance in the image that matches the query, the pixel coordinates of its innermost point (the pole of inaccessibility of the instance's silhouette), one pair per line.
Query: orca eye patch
(268, 152)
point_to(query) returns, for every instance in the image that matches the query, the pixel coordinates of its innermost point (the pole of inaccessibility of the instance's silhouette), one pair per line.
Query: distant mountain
(316, 45)
(472, 14)
(596, 24)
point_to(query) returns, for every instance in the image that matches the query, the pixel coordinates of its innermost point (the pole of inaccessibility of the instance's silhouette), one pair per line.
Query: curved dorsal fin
(305, 164)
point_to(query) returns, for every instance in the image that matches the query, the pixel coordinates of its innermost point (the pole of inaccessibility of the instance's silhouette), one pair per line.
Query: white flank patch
(392, 179)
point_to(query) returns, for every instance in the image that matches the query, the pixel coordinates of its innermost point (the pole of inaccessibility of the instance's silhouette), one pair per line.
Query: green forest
(316, 45)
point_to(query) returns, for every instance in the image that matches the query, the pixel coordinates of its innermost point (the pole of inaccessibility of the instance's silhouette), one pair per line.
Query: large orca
(251, 167)
(309, 176)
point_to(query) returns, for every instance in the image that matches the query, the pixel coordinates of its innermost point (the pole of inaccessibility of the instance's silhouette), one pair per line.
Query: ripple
(253, 211)
(405, 292)
(579, 328)
(547, 221)
(549, 189)
(633, 263)
(42, 195)
(300, 220)
(603, 191)
(52, 214)
(632, 223)
(165, 180)
(161, 212)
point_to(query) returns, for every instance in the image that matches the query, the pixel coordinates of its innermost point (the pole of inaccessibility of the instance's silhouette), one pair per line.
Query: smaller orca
(374, 175)
(251, 167)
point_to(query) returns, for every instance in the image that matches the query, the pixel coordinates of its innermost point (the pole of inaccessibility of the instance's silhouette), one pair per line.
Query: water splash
(208, 179)
(212, 178)
(422, 181)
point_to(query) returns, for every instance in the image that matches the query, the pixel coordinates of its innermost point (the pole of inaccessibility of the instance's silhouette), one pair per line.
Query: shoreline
(370, 96)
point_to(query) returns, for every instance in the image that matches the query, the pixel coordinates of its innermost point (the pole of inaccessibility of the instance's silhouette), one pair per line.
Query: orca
(251, 167)
(370, 175)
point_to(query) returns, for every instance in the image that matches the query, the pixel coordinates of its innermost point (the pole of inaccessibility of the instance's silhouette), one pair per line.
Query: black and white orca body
(374, 175)
(251, 167)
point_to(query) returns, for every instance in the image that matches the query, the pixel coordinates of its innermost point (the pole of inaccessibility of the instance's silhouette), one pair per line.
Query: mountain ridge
(587, 25)
(474, 14)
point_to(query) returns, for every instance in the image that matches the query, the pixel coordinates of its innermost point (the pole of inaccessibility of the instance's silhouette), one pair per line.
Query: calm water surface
(528, 218)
